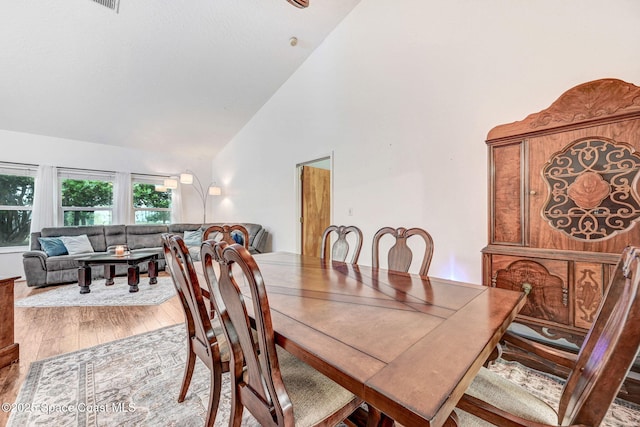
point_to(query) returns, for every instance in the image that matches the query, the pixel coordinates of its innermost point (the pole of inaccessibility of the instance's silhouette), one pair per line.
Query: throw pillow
(53, 246)
(77, 244)
(194, 252)
(215, 236)
(237, 237)
(193, 238)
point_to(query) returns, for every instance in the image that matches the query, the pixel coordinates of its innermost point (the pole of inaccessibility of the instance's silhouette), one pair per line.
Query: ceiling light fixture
(299, 3)
(171, 183)
(111, 4)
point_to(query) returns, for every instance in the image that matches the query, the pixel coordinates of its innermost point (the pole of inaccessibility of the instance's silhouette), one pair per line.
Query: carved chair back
(168, 257)
(226, 230)
(258, 386)
(400, 255)
(201, 337)
(609, 349)
(340, 248)
(186, 279)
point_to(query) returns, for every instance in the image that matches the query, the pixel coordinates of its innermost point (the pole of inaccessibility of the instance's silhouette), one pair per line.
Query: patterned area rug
(549, 388)
(135, 382)
(101, 295)
(129, 382)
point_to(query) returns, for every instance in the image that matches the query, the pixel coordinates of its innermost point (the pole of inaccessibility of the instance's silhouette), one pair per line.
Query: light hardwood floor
(46, 332)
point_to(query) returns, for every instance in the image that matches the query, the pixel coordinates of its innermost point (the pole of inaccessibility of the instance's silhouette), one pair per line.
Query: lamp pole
(203, 195)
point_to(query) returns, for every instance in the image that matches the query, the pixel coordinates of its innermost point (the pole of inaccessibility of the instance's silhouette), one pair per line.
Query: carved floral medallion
(592, 192)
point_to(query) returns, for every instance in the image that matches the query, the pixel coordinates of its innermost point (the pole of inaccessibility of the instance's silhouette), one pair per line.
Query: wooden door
(316, 207)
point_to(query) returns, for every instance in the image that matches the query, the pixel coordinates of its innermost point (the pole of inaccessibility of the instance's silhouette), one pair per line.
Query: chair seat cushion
(223, 347)
(508, 396)
(313, 395)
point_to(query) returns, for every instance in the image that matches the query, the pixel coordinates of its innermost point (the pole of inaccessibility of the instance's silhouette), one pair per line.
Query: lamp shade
(171, 183)
(186, 178)
(215, 191)
(161, 188)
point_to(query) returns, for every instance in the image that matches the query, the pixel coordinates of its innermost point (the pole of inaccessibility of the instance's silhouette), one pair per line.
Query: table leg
(84, 278)
(153, 271)
(109, 273)
(133, 277)
(452, 421)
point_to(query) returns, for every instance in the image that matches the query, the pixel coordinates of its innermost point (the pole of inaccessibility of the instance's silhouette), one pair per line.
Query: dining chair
(340, 248)
(226, 232)
(274, 386)
(596, 372)
(400, 255)
(205, 338)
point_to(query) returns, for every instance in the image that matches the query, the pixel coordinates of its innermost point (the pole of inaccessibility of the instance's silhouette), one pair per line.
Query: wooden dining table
(409, 345)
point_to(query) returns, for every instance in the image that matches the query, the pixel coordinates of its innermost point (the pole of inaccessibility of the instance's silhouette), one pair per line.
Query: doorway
(315, 203)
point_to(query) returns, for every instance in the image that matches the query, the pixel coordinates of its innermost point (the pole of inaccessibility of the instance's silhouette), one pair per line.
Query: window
(16, 200)
(150, 206)
(86, 197)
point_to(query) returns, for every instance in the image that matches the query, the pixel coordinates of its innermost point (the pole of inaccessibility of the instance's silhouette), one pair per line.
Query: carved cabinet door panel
(589, 288)
(545, 281)
(584, 188)
(507, 202)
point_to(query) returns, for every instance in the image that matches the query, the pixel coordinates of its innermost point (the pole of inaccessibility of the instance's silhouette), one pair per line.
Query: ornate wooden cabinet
(564, 200)
(9, 350)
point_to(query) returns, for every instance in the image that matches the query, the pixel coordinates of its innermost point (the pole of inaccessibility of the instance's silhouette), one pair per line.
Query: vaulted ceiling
(175, 75)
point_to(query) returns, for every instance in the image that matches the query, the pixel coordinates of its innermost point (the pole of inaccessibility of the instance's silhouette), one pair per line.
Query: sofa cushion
(77, 244)
(181, 228)
(145, 236)
(193, 238)
(65, 262)
(94, 232)
(53, 246)
(252, 229)
(115, 235)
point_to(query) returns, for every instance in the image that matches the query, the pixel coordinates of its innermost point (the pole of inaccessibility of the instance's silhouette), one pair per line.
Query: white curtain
(122, 199)
(176, 204)
(45, 198)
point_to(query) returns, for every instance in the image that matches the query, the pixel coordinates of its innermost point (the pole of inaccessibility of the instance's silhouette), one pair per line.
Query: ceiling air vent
(111, 4)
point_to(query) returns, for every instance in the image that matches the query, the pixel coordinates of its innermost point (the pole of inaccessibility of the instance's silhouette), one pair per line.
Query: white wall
(404, 93)
(36, 149)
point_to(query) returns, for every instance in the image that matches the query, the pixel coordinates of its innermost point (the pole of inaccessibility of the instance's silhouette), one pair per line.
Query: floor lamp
(190, 178)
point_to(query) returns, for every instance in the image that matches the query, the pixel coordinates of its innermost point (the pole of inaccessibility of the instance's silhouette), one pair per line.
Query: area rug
(549, 388)
(129, 382)
(135, 382)
(115, 295)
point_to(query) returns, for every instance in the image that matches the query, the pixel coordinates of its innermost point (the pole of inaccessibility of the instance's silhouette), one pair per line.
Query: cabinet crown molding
(592, 101)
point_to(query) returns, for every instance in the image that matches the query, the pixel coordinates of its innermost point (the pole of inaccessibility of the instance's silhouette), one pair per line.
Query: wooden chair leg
(452, 421)
(214, 393)
(188, 371)
(235, 417)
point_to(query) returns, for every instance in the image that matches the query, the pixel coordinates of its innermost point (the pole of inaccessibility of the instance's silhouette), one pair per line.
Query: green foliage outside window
(15, 224)
(147, 201)
(83, 193)
(151, 206)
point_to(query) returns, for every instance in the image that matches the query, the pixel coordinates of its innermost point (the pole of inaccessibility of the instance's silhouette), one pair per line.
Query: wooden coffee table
(110, 260)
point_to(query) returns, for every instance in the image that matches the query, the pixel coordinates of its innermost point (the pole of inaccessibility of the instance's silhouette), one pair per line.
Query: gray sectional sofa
(41, 269)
